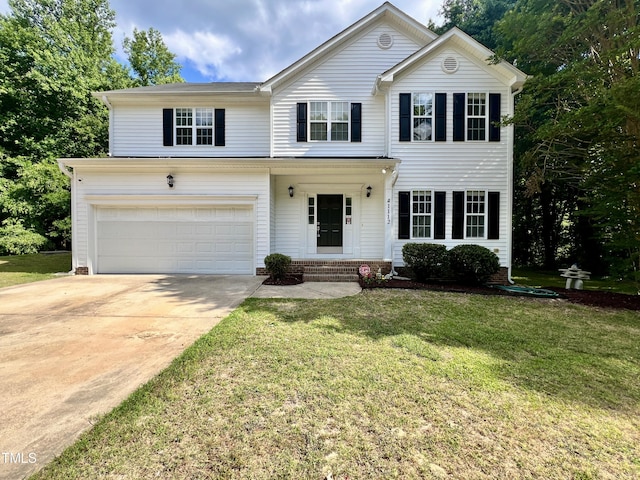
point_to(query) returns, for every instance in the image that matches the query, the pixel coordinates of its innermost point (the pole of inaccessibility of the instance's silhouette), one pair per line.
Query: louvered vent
(385, 41)
(450, 65)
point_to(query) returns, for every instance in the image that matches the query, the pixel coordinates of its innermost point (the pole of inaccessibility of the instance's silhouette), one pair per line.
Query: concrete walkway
(73, 348)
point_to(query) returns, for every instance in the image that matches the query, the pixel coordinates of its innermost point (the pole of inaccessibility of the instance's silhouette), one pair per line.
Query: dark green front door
(330, 220)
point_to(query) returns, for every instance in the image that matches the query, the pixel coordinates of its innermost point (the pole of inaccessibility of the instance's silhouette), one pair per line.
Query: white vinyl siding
(137, 132)
(346, 76)
(450, 166)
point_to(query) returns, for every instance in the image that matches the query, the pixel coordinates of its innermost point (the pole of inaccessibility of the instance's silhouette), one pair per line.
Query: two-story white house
(383, 135)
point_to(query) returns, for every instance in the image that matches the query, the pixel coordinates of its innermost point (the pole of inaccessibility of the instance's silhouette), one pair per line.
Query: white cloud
(209, 53)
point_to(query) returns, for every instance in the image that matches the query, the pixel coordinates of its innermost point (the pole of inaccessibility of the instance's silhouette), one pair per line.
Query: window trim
(329, 120)
(194, 127)
(483, 215)
(468, 117)
(430, 214)
(431, 116)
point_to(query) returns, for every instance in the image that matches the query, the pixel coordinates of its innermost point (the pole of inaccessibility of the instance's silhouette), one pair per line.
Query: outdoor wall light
(369, 191)
(291, 191)
(170, 180)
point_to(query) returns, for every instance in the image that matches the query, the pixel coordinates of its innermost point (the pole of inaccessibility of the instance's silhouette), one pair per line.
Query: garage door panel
(175, 240)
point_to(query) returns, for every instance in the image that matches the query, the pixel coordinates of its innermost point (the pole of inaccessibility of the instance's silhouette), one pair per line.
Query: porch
(333, 270)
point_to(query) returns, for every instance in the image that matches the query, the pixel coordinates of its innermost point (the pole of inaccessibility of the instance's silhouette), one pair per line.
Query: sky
(245, 40)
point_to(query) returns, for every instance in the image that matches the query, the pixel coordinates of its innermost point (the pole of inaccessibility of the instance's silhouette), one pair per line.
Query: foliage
(150, 59)
(473, 264)
(474, 17)
(277, 265)
(37, 196)
(578, 128)
(16, 240)
(53, 55)
(427, 261)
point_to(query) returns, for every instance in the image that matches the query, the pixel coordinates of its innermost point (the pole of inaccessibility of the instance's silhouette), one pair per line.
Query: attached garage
(198, 239)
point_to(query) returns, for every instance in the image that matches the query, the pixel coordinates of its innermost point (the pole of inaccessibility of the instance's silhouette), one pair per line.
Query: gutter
(64, 169)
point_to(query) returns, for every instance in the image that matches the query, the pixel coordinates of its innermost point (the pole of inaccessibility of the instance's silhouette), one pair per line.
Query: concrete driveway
(73, 348)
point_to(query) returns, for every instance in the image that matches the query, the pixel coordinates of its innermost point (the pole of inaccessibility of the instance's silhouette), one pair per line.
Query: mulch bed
(592, 298)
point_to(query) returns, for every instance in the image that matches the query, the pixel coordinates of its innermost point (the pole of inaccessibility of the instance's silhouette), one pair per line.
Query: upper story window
(422, 116)
(425, 116)
(329, 121)
(187, 129)
(476, 116)
(193, 126)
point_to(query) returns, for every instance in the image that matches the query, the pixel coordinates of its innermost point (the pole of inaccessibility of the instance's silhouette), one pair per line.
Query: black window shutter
(220, 127)
(404, 215)
(457, 231)
(301, 122)
(356, 122)
(440, 209)
(441, 118)
(167, 127)
(459, 100)
(494, 117)
(494, 216)
(405, 117)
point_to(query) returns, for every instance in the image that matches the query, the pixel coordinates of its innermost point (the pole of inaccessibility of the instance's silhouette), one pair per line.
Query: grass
(386, 384)
(540, 278)
(18, 269)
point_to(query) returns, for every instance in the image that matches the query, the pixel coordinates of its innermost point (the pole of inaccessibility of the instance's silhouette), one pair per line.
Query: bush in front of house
(277, 265)
(427, 261)
(473, 264)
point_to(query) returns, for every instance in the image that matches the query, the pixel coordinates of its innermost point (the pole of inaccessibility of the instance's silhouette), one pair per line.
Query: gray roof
(212, 87)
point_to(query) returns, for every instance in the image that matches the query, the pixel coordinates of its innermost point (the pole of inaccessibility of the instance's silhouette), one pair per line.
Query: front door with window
(330, 217)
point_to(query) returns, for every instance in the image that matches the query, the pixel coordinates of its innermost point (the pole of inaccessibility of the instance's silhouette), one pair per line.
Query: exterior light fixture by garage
(369, 191)
(170, 180)
(291, 191)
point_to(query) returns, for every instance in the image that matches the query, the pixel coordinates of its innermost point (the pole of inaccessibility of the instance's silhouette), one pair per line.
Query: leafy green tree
(150, 59)
(579, 119)
(475, 17)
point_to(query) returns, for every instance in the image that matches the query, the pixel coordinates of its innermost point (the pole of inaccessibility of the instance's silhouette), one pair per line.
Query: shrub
(16, 240)
(427, 261)
(473, 264)
(277, 265)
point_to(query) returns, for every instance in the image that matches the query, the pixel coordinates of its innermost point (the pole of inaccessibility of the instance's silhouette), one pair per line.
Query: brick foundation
(332, 270)
(500, 278)
(82, 270)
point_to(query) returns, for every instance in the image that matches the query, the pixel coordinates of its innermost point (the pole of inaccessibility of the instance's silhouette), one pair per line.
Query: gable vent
(450, 65)
(385, 41)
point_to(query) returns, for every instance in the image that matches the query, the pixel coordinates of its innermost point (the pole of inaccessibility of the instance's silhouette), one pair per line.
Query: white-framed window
(422, 116)
(475, 213)
(477, 116)
(329, 121)
(421, 214)
(194, 126)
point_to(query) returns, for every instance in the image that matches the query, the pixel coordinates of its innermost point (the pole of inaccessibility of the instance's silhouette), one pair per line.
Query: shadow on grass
(549, 347)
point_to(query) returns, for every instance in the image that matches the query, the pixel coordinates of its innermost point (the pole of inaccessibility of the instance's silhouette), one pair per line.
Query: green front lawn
(17, 269)
(386, 384)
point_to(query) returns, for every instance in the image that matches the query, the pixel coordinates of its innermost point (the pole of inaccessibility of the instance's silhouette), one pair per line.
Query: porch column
(389, 180)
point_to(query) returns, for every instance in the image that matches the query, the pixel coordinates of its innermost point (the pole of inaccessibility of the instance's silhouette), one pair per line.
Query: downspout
(67, 173)
(105, 100)
(510, 185)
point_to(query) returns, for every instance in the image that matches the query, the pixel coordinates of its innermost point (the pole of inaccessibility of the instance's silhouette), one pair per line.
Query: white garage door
(215, 240)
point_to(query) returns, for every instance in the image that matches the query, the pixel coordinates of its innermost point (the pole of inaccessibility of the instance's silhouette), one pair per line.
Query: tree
(150, 59)
(475, 17)
(579, 118)
(53, 54)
